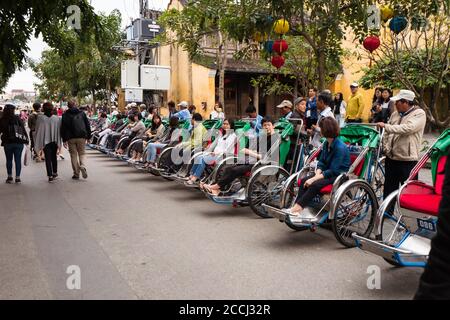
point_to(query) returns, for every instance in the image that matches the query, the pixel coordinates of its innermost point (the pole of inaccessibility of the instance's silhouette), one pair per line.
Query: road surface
(137, 236)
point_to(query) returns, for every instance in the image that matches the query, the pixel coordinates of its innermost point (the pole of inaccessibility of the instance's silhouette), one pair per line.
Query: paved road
(136, 236)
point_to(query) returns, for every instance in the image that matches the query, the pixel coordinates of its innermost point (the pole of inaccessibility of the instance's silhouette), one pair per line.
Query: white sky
(25, 79)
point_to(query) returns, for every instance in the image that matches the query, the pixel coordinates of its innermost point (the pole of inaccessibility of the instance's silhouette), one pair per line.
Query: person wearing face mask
(402, 140)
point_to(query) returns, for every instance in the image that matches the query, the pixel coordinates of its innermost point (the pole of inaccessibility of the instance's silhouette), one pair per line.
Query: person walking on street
(14, 136)
(75, 130)
(402, 140)
(48, 138)
(355, 105)
(32, 126)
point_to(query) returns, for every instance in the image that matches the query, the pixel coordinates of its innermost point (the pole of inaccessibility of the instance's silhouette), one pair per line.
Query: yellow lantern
(259, 37)
(386, 13)
(281, 26)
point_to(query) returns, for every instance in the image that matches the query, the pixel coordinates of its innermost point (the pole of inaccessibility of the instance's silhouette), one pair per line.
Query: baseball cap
(298, 100)
(183, 104)
(404, 94)
(354, 85)
(285, 104)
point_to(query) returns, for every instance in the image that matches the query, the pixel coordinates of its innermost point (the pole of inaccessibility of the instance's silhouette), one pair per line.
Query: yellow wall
(351, 74)
(189, 81)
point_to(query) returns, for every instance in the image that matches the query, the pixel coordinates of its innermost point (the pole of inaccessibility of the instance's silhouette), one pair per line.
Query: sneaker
(55, 175)
(74, 177)
(9, 180)
(84, 172)
(50, 179)
(18, 180)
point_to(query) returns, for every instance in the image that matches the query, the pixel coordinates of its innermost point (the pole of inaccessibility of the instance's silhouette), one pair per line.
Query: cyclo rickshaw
(237, 193)
(165, 166)
(406, 220)
(240, 128)
(351, 202)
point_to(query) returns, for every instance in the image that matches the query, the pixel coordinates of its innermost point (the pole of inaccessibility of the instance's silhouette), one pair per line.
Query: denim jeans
(201, 163)
(13, 151)
(152, 149)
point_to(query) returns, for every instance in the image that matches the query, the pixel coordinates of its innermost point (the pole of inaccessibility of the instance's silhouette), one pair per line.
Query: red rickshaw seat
(425, 203)
(420, 197)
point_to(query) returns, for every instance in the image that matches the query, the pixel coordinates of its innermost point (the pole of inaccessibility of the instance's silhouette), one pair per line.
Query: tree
(417, 58)
(197, 20)
(19, 20)
(84, 67)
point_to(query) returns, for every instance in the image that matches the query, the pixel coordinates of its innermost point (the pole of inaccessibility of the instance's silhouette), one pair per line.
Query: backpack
(17, 132)
(79, 126)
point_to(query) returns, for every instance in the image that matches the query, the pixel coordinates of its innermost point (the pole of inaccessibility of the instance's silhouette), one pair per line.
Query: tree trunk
(321, 68)
(108, 94)
(222, 63)
(295, 88)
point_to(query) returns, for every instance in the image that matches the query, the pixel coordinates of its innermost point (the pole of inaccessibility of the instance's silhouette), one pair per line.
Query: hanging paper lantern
(259, 37)
(268, 46)
(371, 43)
(278, 61)
(280, 46)
(398, 24)
(281, 26)
(386, 13)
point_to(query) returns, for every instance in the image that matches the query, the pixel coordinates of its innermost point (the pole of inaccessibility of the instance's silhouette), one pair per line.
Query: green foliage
(81, 67)
(19, 20)
(411, 65)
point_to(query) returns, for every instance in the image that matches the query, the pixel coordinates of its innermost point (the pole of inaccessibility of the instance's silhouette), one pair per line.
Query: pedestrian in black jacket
(75, 131)
(14, 136)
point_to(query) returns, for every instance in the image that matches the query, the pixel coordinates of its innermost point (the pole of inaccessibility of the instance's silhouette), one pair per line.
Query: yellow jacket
(355, 107)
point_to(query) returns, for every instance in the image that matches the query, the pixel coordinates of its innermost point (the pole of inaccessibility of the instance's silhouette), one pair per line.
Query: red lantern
(280, 46)
(278, 61)
(371, 43)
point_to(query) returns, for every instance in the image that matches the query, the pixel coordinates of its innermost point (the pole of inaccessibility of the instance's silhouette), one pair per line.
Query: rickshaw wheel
(265, 187)
(356, 209)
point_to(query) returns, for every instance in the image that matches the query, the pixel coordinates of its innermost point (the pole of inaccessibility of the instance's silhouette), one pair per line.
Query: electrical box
(145, 29)
(129, 74)
(134, 95)
(130, 33)
(155, 77)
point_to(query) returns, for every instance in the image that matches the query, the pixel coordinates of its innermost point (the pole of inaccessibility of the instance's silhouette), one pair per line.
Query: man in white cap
(184, 113)
(285, 109)
(355, 105)
(402, 140)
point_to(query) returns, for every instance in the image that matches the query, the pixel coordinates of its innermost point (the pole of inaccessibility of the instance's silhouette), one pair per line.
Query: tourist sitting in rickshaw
(155, 132)
(333, 161)
(251, 157)
(225, 146)
(136, 127)
(152, 147)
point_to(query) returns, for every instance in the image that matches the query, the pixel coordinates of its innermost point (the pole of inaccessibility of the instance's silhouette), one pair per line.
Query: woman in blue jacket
(334, 160)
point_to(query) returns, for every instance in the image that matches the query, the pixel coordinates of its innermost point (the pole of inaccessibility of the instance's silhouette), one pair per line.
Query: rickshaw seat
(440, 175)
(425, 203)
